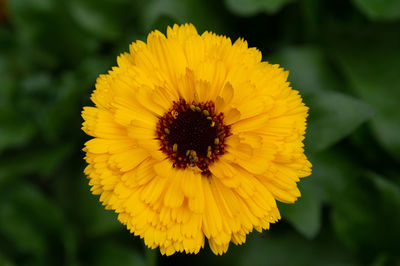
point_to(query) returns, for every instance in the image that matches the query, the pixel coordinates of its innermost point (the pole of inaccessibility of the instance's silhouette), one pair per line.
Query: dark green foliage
(343, 57)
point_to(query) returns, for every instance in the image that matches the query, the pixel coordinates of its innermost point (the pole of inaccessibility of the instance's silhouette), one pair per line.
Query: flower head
(194, 138)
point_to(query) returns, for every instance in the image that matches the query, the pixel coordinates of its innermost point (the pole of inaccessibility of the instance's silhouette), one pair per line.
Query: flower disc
(195, 138)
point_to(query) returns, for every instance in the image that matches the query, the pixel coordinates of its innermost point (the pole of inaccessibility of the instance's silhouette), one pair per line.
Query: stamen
(175, 147)
(166, 130)
(206, 113)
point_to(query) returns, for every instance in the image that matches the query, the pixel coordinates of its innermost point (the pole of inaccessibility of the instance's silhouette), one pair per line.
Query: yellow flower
(194, 138)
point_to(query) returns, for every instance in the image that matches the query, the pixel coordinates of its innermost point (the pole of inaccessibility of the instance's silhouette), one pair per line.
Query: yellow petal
(174, 195)
(129, 159)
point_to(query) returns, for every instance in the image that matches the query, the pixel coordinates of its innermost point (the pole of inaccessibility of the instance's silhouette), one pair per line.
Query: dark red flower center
(192, 134)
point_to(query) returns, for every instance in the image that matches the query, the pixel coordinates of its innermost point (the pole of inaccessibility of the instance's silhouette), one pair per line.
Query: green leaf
(333, 170)
(22, 221)
(252, 7)
(45, 35)
(70, 240)
(31, 225)
(383, 10)
(370, 59)
(333, 116)
(96, 220)
(309, 70)
(156, 12)
(21, 233)
(101, 18)
(151, 256)
(13, 133)
(365, 216)
(305, 214)
(34, 204)
(110, 254)
(291, 249)
(15, 129)
(4, 261)
(43, 162)
(7, 71)
(389, 193)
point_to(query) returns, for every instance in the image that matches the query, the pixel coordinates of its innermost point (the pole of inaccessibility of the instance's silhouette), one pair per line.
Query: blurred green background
(343, 56)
